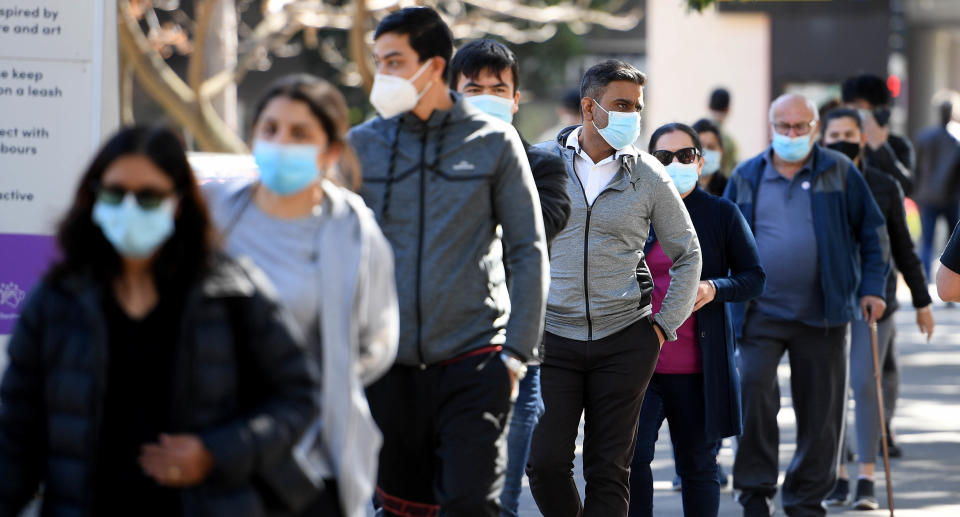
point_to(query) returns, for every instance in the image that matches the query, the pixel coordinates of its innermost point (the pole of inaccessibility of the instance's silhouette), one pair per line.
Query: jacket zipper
(423, 191)
(586, 251)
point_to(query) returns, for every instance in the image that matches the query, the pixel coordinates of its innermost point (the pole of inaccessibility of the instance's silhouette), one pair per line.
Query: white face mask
(392, 95)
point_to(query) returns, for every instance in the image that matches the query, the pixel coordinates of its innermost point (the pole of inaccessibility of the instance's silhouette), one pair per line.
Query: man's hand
(876, 134)
(872, 307)
(179, 460)
(925, 321)
(706, 291)
(660, 336)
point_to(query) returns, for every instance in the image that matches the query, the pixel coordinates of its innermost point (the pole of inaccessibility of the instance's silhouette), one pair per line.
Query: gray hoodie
(600, 283)
(439, 188)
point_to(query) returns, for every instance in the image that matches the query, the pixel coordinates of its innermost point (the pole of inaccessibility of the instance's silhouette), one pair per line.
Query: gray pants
(864, 386)
(818, 383)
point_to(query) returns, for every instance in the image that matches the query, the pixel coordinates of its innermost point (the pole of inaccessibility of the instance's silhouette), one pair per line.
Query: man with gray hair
(823, 243)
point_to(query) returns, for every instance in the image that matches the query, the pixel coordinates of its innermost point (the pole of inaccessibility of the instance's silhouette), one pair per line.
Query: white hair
(790, 96)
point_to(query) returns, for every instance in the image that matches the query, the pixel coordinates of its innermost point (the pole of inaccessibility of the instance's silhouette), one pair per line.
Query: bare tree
(204, 103)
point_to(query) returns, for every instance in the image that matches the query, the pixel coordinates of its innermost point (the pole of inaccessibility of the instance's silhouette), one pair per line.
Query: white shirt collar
(573, 142)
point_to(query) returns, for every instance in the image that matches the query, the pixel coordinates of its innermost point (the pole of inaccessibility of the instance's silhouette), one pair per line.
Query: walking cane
(883, 426)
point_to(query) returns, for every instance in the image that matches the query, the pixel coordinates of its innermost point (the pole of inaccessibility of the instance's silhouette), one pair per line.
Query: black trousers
(818, 384)
(444, 437)
(605, 380)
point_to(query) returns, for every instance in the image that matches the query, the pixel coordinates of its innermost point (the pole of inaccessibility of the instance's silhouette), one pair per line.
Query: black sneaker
(865, 499)
(757, 506)
(840, 493)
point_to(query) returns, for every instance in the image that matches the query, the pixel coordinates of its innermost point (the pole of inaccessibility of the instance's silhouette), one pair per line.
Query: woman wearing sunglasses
(695, 385)
(134, 365)
(332, 267)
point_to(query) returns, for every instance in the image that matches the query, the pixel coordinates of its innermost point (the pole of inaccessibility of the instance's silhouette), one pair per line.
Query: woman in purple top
(695, 384)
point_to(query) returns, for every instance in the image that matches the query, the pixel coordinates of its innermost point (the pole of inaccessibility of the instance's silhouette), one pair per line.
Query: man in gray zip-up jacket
(602, 340)
(440, 176)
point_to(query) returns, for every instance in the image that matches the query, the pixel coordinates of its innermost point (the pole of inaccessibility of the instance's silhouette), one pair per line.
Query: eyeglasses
(801, 128)
(686, 156)
(148, 199)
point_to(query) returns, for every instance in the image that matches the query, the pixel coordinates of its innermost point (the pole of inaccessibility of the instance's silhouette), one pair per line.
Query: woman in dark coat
(148, 374)
(695, 386)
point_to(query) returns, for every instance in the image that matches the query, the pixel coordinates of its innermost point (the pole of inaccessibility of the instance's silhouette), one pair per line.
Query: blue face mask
(286, 169)
(622, 129)
(494, 106)
(711, 162)
(134, 231)
(683, 176)
(791, 149)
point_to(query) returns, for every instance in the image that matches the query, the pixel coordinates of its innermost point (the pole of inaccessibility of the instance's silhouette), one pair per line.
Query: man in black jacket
(938, 176)
(842, 131)
(486, 73)
(892, 154)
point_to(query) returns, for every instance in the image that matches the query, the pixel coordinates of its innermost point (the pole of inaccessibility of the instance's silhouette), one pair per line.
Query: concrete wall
(689, 54)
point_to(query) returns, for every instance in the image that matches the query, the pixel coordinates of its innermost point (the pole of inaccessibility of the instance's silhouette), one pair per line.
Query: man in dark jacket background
(824, 246)
(487, 74)
(441, 177)
(893, 154)
(842, 131)
(938, 176)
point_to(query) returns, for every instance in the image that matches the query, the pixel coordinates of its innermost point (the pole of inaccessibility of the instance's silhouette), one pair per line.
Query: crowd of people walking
(414, 312)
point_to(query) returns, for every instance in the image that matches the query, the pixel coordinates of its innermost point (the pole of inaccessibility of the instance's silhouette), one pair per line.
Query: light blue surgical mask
(494, 106)
(134, 231)
(791, 149)
(684, 176)
(286, 169)
(622, 129)
(711, 162)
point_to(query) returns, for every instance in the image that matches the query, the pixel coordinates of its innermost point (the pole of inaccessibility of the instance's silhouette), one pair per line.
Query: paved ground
(926, 480)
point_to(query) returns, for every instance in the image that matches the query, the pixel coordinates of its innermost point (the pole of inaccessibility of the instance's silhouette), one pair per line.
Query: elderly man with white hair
(823, 243)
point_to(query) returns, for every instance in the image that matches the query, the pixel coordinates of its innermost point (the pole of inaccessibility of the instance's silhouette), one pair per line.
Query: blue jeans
(679, 400)
(526, 413)
(928, 224)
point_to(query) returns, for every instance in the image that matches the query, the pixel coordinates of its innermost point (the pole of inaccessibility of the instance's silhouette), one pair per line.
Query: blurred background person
(938, 175)
(719, 109)
(713, 177)
(486, 73)
(568, 114)
(823, 246)
(148, 373)
(842, 132)
(948, 276)
(893, 154)
(332, 267)
(695, 385)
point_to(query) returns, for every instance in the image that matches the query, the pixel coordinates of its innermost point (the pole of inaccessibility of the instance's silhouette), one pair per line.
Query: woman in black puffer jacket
(148, 374)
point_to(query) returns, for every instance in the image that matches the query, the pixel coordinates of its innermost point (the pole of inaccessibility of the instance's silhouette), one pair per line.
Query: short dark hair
(429, 35)
(670, 128)
(871, 88)
(182, 258)
(840, 113)
(720, 99)
(946, 110)
(328, 106)
(571, 100)
(482, 55)
(598, 76)
(706, 126)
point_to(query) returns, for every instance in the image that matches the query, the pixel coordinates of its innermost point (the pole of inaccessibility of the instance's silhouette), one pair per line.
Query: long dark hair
(185, 255)
(330, 109)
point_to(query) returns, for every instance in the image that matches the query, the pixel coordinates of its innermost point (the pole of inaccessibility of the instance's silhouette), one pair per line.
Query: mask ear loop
(416, 75)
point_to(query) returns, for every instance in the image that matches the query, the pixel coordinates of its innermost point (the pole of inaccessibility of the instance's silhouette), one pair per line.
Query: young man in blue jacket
(823, 244)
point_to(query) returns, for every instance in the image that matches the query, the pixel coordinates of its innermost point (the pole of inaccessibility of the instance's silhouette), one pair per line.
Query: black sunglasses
(686, 156)
(147, 198)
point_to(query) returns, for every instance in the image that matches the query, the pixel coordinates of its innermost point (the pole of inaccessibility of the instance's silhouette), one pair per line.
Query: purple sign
(23, 260)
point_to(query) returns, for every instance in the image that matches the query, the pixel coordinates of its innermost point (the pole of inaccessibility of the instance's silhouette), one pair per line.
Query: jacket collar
(628, 160)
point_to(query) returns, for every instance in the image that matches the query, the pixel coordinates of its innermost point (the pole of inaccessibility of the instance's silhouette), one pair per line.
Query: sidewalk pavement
(926, 480)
